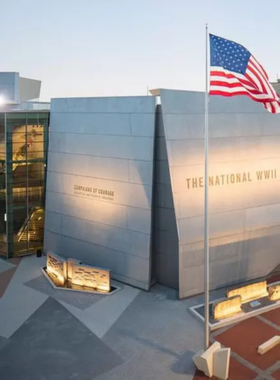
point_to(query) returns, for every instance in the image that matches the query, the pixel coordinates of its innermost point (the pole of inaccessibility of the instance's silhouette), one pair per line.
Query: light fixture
(2, 100)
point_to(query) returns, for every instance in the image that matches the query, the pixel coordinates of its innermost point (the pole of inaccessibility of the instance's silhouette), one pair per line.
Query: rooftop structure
(18, 93)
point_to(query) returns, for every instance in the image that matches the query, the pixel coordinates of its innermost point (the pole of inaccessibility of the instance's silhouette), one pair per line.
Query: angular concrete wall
(244, 208)
(165, 236)
(29, 89)
(99, 184)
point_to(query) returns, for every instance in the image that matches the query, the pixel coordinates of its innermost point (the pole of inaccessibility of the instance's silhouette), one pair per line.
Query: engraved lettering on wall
(232, 178)
(94, 192)
(86, 276)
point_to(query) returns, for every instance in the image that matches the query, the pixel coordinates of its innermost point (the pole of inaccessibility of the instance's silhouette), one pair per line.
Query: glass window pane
(26, 152)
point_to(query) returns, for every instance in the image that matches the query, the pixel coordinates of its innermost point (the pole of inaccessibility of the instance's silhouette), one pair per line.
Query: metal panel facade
(99, 184)
(244, 179)
(106, 206)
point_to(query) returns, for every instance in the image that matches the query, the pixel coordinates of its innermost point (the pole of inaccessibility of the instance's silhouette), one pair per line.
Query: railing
(35, 224)
(19, 193)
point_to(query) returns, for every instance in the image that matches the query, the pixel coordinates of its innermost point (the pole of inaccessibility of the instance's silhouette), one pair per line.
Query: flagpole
(206, 220)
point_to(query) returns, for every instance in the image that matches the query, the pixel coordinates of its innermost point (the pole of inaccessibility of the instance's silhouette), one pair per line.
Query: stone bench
(274, 292)
(268, 345)
(249, 292)
(227, 307)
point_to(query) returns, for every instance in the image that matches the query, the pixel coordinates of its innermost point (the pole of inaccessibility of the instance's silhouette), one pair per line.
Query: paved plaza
(53, 334)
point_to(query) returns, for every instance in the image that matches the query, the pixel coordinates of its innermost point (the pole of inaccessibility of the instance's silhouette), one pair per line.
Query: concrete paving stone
(3, 342)
(276, 374)
(149, 366)
(163, 292)
(29, 268)
(54, 345)
(5, 278)
(79, 300)
(101, 316)
(19, 302)
(156, 337)
(254, 332)
(273, 316)
(237, 371)
(5, 265)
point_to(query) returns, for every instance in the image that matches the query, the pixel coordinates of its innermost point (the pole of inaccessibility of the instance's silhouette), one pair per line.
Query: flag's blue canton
(228, 54)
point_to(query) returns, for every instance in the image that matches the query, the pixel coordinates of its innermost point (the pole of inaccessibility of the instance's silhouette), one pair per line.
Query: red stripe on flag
(241, 92)
(231, 76)
(256, 73)
(261, 68)
(233, 85)
(228, 94)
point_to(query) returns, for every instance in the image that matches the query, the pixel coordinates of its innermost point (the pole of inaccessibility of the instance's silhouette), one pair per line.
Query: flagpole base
(214, 361)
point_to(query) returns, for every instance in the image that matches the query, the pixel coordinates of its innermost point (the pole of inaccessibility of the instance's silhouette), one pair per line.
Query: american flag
(235, 71)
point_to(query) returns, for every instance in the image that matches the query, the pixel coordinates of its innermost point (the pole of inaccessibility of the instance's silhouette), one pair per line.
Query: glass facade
(23, 160)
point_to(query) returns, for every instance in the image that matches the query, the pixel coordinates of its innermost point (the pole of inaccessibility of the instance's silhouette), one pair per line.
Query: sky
(122, 47)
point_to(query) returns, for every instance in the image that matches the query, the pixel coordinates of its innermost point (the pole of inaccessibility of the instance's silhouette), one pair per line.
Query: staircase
(33, 227)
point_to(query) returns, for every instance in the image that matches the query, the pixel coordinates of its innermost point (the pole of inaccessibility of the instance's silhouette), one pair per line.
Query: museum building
(118, 182)
(23, 155)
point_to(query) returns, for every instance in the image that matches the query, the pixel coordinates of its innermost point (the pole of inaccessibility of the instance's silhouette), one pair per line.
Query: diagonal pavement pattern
(130, 334)
(52, 344)
(19, 302)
